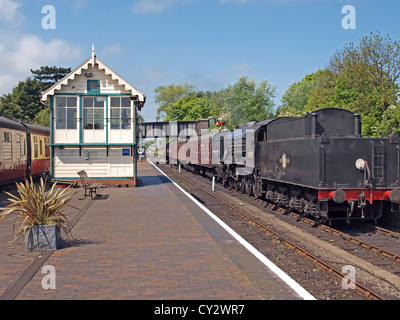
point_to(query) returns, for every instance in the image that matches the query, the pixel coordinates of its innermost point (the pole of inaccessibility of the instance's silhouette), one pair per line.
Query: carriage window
(18, 149)
(7, 137)
(47, 147)
(23, 147)
(35, 151)
(7, 146)
(41, 147)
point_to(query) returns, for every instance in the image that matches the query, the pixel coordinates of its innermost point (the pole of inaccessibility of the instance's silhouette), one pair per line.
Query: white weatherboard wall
(120, 165)
(67, 162)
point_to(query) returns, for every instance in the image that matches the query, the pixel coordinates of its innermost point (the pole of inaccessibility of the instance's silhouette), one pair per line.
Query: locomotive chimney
(357, 124)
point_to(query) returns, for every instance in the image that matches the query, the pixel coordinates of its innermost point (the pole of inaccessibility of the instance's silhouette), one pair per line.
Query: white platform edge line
(280, 273)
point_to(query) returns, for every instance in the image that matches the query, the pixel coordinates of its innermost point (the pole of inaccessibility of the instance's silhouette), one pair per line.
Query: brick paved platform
(150, 242)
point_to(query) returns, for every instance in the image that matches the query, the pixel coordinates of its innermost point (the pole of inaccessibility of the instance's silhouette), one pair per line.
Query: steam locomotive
(318, 164)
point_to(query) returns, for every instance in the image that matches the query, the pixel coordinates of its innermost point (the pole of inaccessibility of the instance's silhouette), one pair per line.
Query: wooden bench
(89, 187)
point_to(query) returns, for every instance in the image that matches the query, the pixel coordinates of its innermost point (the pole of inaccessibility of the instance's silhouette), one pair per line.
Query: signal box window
(120, 113)
(93, 112)
(66, 112)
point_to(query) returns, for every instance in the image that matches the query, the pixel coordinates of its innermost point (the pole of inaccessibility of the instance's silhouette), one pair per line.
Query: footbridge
(173, 128)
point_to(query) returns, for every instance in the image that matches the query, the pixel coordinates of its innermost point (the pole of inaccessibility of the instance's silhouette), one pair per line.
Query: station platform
(146, 243)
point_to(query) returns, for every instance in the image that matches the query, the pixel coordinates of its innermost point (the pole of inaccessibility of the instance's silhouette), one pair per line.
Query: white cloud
(20, 52)
(9, 12)
(18, 57)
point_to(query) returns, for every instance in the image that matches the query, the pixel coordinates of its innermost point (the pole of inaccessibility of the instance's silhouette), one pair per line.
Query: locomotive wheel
(231, 183)
(249, 186)
(256, 191)
(242, 185)
(237, 185)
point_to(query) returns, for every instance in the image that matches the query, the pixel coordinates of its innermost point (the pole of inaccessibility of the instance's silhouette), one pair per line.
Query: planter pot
(42, 238)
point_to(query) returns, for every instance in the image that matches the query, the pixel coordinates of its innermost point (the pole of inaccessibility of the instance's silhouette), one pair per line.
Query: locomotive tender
(317, 164)
(24, 150)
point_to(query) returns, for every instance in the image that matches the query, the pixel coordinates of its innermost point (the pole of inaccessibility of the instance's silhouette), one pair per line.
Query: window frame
(61, 117)
(7, 141)
(85, 115)
(91, 91)
(117, 120)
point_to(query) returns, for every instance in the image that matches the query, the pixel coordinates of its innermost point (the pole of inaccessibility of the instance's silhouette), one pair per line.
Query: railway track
(363, 290)
(375, 249)
(385, 254)
(350, 239)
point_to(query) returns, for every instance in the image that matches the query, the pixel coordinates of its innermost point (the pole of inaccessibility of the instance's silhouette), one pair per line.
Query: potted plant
(42, 215)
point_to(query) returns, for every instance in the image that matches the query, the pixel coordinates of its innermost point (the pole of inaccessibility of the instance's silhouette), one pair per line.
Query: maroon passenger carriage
(24, 150)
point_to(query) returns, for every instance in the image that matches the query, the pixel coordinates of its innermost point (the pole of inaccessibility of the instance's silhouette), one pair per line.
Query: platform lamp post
(134, 99)
(137, 105)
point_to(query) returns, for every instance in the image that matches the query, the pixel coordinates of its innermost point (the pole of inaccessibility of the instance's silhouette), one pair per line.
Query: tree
(49, 76)
(248, 101)
(140, 118)
(23, 102)
(166, 96)
(190, 108)
(42, 118)
(7, 107)
(218, 102)
(183, 103)
(295, 99)
(361, 78)
(322, 96)
(245, 101)
(368, 80)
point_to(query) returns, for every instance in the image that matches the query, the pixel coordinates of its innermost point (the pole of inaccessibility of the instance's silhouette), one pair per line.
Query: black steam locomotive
(317, 164)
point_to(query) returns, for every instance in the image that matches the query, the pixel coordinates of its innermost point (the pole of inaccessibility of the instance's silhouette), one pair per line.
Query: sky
(206, 43)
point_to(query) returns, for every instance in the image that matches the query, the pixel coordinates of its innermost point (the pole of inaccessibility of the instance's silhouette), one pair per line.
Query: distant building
(93, 123)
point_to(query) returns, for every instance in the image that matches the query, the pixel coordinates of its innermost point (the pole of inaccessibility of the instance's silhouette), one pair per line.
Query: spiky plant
(38, 207)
